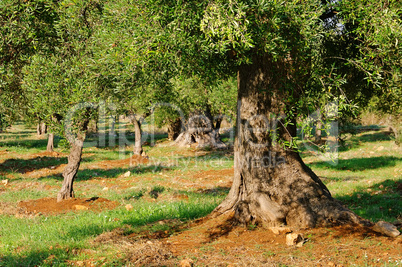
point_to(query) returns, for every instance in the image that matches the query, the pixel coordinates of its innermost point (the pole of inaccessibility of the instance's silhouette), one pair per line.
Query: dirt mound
(51, 206)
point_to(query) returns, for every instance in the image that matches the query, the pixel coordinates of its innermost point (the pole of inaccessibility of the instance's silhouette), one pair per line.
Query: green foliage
(26, 28)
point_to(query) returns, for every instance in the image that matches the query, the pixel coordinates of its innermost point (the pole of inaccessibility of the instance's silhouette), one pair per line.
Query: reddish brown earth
(207, 242)
(219, 242)
(50, 206)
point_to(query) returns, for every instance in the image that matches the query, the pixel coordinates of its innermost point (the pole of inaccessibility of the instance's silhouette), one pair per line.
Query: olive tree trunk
(199, 130)
(174, 129)
(70, 171)
(41, 128)
(50, 143)
(138, 135)
(272, 186)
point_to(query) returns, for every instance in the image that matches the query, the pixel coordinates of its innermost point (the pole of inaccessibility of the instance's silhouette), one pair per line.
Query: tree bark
(200, 130)
(41, 128)
(272, 186)
(218, 123)
(70, 171)
(174, 129)
(50, 143)
(138, 135)
(318, 131)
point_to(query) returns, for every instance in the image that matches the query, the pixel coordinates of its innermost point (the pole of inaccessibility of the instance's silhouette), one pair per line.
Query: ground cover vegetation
(151, 215)
(300, 68)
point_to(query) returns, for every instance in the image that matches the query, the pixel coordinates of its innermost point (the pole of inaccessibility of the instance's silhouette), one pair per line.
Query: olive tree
(276, 49)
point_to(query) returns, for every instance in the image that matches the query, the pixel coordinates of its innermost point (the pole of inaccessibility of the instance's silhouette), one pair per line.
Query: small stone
(80, 207)
(127, 174)
(105, 189)
(294, 239)
(280, 230)
(129, 207)
(4, 182)
(186, 263)
(386, 229)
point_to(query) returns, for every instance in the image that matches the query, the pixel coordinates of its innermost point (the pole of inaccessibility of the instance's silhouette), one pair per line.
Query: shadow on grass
(121, 140)
(53, 257)
(90, 174)
(358, 164)
(25, 165)
(26, 143)
(145, 217)
(382, 201)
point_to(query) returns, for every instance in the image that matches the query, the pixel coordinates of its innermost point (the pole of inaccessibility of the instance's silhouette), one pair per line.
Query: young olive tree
(63, 87)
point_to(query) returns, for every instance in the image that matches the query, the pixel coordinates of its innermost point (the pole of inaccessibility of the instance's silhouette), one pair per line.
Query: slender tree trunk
(41, 128)
(272, 186)
(138, 134)
(318, 131)
(112, 127)
(50, 143)
(70, 171)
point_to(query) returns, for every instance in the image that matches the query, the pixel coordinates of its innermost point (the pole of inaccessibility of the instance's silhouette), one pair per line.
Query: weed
(156, 190)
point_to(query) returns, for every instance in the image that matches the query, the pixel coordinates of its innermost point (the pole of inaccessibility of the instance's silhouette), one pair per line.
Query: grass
(365, 178)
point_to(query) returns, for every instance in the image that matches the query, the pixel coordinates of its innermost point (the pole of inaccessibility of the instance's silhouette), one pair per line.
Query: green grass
(365, 178)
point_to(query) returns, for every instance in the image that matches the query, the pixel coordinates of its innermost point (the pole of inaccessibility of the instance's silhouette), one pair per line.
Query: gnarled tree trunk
(174, 129)
(70, 171)
(50, 143)
(138, 135)
(199, 130)
(272, 186)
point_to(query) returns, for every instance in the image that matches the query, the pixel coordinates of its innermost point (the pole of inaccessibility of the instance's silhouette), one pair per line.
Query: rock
(129, 207)
(280, 230)
(127, 174)
(4, 182)
(386, 229)
(105, 189)
(186, 263)
(294, 239)
(80, 207)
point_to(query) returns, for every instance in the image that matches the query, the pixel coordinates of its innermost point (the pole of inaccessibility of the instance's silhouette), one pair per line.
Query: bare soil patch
(52, 207)
(111, 164)
(219, 242)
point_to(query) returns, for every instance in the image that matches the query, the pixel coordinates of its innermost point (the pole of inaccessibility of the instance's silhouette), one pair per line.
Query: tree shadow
(358, 164)
(53, 257)
(96, 173)
(28, 143)
(26, 165)
(381, 201)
